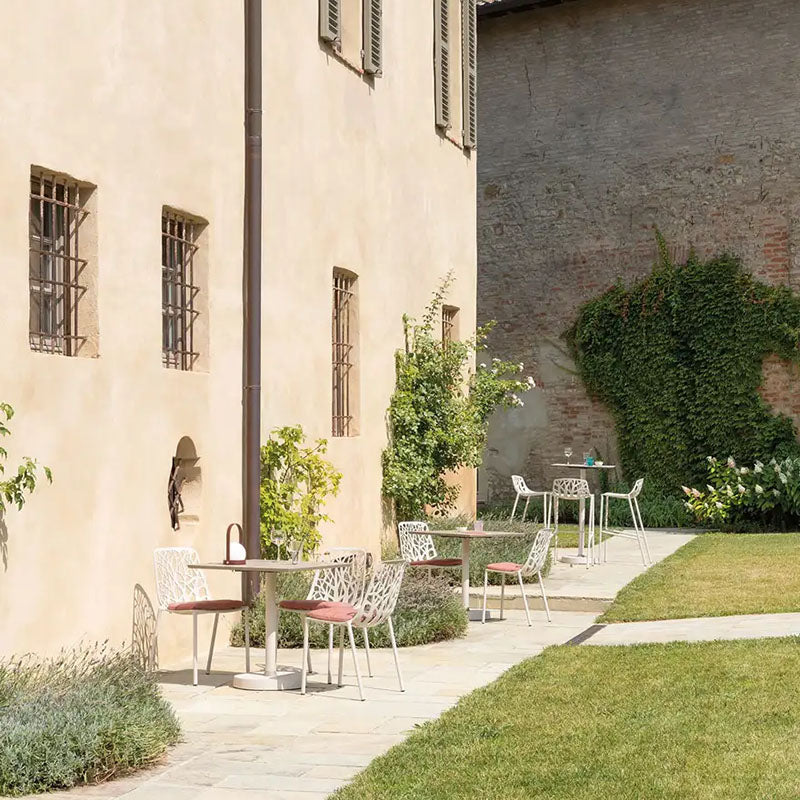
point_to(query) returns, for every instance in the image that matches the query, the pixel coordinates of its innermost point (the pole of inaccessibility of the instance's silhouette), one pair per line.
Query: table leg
(270, 624)
(581, 520)
(465, 572)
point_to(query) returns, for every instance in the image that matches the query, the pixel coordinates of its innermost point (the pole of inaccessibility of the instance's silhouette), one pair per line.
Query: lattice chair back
(520, 487)
(637, 488)
(175, 582)
(538, 553)
(380, 598)
(571, 488)
(344, 585)
(414, 547)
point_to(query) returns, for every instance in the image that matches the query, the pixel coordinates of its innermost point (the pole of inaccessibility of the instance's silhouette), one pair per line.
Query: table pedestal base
(282, 680)
(574, 559)
(476, 614)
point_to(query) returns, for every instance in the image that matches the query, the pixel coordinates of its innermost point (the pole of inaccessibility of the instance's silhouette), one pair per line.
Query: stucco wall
(601, 119)
(144, 100)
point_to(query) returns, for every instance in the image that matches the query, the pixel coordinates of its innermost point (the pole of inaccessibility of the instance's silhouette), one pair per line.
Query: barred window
(179, 290)
(57, 269)
(449, 324)
(345, 342)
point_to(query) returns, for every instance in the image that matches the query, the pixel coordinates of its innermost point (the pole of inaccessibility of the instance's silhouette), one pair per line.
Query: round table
(272, 678)
(581, 556)
(467, 537)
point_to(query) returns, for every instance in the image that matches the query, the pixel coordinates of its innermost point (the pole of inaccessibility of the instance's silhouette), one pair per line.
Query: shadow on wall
(144, 633)
(184, 489)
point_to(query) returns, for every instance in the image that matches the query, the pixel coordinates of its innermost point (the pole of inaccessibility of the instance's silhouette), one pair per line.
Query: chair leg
(502, 592)
(330, 653)
(641, 530)
(341, 655)
(194, 648)
(544, 598)
(396, 658)
(554, 512)
(355, 660)
(605, 546)
(524, 599)
(525, 510)
(211, 648)
(514, 510)
(636, 529)
(246, 641)
(547, 510)
(485, 587)
(366, 648)
(304, 673)
(308, 660)
(590, 553)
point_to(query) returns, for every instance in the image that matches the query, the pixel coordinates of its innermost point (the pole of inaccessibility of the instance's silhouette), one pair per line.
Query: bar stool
(638, 527)
(574, 489)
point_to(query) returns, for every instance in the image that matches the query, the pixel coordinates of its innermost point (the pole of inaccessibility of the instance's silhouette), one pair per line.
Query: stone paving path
(697, 629)
(282, 746)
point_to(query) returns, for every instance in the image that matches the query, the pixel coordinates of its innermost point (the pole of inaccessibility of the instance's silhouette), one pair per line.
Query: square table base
(282, 680)
(476, 614)
(574, 559)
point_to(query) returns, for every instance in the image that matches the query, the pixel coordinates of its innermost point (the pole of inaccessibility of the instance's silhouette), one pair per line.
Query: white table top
(586, 466)
(475, 534)
(262, 565)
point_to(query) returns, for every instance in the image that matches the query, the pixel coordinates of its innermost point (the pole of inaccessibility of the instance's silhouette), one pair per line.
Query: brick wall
(599, 120)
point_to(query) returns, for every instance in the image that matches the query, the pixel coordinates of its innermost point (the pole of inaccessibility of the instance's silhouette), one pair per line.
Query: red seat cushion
(333, 612)
(207, 605)
(304, 605)
(504, 566)
(438, 562)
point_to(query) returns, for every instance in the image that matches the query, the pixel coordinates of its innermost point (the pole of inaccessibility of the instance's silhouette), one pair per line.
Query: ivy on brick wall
(677, 357)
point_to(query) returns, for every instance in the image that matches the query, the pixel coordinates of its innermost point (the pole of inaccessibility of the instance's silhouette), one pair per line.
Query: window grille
(448, 324)
(343, 338)
(178, 290)
(56, 268)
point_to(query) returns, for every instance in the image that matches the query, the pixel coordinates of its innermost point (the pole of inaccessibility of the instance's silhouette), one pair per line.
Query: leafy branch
(14, 490)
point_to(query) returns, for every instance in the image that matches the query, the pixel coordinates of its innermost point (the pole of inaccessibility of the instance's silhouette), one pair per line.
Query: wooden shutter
(441, 62)
(330, 21)
(469, 61)
(373, 37)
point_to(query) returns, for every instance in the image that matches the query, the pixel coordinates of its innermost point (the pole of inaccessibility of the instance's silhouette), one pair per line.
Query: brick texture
(599, 120)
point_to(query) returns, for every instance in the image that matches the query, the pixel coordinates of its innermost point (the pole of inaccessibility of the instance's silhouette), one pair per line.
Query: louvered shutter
(373, 37)
(441, 62)
(330, 21)
(469, 59)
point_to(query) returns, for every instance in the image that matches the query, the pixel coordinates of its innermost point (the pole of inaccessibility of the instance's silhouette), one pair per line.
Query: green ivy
(677, 357)
(439, 412)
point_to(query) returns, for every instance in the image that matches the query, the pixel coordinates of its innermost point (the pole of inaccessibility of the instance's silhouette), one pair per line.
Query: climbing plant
(677, 357)
(439, 412)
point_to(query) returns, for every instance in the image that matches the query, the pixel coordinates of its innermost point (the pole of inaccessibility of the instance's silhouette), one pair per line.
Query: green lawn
(716, 720)
(716, 574)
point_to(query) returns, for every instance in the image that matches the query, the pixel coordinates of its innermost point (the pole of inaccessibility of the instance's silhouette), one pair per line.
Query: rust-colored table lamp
(235, 552)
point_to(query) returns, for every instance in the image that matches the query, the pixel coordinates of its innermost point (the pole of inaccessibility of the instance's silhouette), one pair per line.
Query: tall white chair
(522, 490)
(419, 550)
(181, 590)
(331, 586)
(533, 565)
(375, 608)
(638, 526)
(575, 489)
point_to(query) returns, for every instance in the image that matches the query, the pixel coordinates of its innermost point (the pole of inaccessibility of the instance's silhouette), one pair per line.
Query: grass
(83, 717)
(716, 574)
(711, 721)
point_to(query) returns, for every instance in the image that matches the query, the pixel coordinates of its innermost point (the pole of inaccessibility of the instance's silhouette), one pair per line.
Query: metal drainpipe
(251, 422)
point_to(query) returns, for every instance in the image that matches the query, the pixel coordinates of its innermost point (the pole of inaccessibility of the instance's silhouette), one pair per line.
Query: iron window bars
(343, 352)
(178, 290)
(56, 214)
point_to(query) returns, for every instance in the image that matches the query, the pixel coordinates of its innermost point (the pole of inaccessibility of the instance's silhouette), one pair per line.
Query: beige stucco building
(123, 120)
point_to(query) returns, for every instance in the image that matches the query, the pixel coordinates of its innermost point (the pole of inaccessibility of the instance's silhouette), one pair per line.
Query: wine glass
(568, 453)
(278, 538)
(295, 548)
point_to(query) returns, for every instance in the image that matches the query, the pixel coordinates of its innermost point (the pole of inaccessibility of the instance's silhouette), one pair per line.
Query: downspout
(251, 399)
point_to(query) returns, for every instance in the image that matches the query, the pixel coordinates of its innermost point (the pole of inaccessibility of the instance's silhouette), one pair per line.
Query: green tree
(14, 490)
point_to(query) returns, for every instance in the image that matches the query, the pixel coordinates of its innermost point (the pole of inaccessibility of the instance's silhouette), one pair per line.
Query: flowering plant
(755, 491)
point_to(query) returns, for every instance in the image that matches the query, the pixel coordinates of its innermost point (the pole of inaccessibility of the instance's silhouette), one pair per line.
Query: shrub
(427, 611)
(83, 717)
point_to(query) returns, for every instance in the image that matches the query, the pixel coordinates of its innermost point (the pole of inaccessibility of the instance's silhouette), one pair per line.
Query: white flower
(758, 468)
(711, 459)
(718, 504)
(696, 493)
(521, 403)
(495, 361)
(783, 479)
(731, 462)
(531, 382)
(759, 489)
(773, 462)
(741, 488)
(520, 366)
(729, 491)
(744, 471)
(686, 490)
(483, 366)
(709, 487)
(776, 493)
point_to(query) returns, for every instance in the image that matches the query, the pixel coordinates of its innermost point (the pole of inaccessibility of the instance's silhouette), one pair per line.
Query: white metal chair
(420, 551)
(574, 489)
(522, 490)
(533, 566)
(181, 590)
(638, 526)
(375, 608)
(331, 586)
